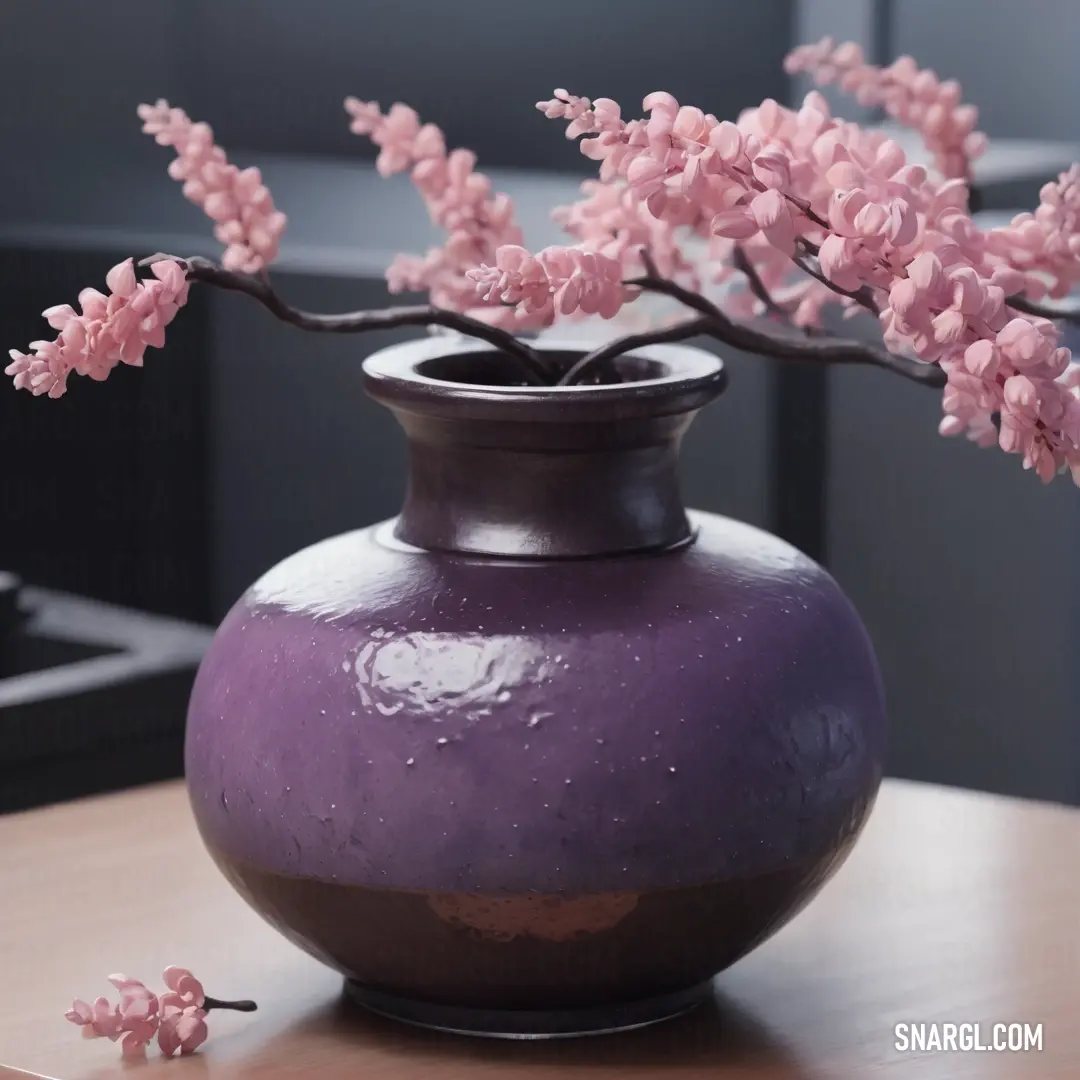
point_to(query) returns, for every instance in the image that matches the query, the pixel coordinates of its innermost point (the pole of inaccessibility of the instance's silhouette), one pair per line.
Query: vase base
(529, 1024)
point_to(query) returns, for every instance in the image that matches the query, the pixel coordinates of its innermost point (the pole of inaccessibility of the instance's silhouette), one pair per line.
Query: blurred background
(138, 514)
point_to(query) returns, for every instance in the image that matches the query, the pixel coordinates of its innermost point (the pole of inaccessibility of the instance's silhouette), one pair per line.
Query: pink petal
(949, 326)
(59, 315)
(80, 1012)
(121, 279)
(726, 139)
(967, 291)
(168, 1039)
(870, 220)
(782, 234)
(980, 358)
(660, 102)
(190, 987)
(843, 210)
(767, 208)
(689, 122)
(772, 170)
(645, 174)
(834, 256)
(134, 1049)
(735, 224)
(93, 303)
(925, 271)
(903, 224)
(191, 1028)
(845, 175)
(890, 157)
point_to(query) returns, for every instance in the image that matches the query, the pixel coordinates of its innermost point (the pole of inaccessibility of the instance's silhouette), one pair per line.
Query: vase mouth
(455, 378)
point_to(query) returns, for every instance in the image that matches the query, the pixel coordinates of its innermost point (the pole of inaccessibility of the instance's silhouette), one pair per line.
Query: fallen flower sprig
(177, 1018)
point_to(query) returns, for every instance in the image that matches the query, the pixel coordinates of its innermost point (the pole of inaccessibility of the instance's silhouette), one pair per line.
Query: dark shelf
(93, 698)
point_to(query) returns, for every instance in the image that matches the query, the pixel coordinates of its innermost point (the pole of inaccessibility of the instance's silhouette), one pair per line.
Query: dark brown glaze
(527, 951)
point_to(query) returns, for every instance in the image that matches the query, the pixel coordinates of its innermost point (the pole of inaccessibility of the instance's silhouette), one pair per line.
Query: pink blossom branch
(210, 273)
(914, 97)
(459, 199)
(752, 339)
(176, 1018)
(237, 201)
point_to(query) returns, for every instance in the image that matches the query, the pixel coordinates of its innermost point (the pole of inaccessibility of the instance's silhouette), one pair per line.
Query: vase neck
(542, 493)
(549, 472)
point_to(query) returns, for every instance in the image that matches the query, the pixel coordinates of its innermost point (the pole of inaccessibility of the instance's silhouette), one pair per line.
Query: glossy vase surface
(546, 752)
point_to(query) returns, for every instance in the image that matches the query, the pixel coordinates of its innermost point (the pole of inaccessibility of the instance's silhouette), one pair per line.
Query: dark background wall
(477, 65)
(270, 75)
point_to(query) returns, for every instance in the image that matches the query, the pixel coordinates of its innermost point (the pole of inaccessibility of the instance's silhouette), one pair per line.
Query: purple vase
(544, 753)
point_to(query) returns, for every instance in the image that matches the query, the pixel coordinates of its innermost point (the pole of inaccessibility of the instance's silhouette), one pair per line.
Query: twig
(802, 205)
(1041, 311)
(678, 332)
(712, 322)
(237, 1006)
(757, 286)
(208, 272)
(863, 296)
(765, 342)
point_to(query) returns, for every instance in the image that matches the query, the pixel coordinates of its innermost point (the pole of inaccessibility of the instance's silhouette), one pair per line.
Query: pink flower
(182, 1029)
(241, 206)
(396, 134)
(100, 1020)
(555, 281)
(1045, 246)
(458, 198)
(366, 115)
(108, 331)
(913, 97)
(138, 1015)
(186, 989)
(183, 1024)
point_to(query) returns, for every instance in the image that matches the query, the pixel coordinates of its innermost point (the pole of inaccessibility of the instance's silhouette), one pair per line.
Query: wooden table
(955, 907)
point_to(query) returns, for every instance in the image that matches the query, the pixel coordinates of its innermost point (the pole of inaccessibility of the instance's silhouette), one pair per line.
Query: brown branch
(210, 273)
(863, 296)
(767, 342)
(757, 286)
(237, 1006)
(1041, 311)
(678, 332)
(712, 322)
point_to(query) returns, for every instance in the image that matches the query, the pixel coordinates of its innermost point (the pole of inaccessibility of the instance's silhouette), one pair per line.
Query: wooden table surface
(955, 907)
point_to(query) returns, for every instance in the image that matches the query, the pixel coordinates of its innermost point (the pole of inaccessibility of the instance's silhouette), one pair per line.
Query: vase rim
(685, 379)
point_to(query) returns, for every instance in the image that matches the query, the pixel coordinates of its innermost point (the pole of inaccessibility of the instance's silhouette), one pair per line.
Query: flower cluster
(911, 95)
(557, 280)
(109, 330)
(790, 189)
(237, 200)
(801, 208)
(1046, 244)
(177, 1018)
(458, 198)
